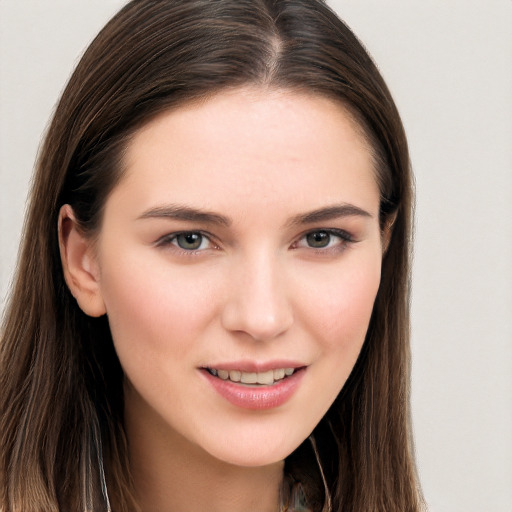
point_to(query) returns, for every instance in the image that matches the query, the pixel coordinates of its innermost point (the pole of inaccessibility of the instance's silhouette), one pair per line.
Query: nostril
(257, 325)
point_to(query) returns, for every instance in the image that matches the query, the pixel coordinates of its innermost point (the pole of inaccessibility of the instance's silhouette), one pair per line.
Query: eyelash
(344, 237)
(170, 239)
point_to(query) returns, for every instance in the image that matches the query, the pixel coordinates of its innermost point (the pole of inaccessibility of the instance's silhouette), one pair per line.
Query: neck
(173, 475)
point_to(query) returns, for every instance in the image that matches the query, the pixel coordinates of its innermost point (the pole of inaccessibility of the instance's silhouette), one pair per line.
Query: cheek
(339, 310)
(154, 311)
(336, 317)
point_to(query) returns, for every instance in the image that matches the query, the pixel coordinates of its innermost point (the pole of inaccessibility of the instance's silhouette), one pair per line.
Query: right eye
(324, 240)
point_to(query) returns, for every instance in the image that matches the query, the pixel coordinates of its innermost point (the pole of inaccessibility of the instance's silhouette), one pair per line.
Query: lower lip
(256, 397)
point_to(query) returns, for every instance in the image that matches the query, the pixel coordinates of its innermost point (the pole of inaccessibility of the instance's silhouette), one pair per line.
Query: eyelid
(344, 236)
(167, 240)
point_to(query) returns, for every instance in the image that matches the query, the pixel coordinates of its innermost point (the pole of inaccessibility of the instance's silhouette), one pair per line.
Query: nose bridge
(258, 302)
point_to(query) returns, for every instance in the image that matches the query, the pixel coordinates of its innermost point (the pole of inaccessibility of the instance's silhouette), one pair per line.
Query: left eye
(190, 241)
(324, 239)
(318, 239)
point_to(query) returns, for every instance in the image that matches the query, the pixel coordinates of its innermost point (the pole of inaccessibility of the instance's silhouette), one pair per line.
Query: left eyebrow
(328, 213)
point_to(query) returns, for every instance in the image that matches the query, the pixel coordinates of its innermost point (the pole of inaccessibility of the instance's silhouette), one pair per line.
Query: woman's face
(241, 245)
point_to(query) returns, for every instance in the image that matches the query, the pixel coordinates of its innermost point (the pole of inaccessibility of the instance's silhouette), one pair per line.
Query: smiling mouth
(267, 378)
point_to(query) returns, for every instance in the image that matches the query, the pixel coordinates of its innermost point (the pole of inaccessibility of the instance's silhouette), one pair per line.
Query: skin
(255, 289)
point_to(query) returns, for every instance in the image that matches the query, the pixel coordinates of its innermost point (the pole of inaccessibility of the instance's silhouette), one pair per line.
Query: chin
(251, 460)
(254, 450)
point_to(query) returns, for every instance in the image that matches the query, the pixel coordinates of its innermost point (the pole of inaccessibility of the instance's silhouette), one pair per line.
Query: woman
(211, 310)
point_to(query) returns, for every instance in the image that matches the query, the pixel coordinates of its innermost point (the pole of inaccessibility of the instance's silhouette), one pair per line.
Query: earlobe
(79, 264)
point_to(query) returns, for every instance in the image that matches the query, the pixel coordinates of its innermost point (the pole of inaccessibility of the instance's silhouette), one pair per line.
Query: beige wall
(448, 63)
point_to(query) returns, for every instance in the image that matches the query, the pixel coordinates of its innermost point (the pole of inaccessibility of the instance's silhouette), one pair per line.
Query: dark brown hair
(60, 378)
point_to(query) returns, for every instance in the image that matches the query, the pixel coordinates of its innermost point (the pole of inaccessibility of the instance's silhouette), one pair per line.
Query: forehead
(247, 144)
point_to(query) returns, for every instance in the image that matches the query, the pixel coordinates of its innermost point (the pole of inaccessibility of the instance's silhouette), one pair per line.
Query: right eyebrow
(185, 213)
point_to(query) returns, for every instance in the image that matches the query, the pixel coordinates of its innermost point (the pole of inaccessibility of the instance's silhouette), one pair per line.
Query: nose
(257, 301)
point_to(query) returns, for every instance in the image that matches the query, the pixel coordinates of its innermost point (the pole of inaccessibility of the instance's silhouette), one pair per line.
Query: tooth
(279, 374)
(213, 372)
(223, 374)
(288, 371)
(248, 378)
(266, 378)
(235, 375)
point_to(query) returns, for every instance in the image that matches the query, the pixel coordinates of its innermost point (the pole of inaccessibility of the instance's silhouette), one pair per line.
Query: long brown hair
(61, 382)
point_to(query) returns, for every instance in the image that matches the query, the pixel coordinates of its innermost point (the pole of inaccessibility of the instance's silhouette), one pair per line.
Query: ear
(79, 263)
(387, 232)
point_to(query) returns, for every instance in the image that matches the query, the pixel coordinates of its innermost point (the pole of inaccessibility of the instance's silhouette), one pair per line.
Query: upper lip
(255, 366)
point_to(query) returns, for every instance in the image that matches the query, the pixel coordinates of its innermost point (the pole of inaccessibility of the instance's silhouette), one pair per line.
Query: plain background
(448, 65)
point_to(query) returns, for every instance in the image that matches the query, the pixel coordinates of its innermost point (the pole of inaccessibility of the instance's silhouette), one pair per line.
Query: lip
(255, 367)
(256, 397)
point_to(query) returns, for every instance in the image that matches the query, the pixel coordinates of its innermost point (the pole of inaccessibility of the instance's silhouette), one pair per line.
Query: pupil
(318, 239)
(190, 241)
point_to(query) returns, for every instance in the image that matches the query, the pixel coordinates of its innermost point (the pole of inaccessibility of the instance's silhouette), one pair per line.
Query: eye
(318, 239)
(325, 239)
(188, 241)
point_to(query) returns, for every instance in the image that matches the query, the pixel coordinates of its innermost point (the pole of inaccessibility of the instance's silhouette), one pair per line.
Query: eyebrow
(185, 213)
(328, 213)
